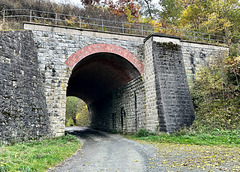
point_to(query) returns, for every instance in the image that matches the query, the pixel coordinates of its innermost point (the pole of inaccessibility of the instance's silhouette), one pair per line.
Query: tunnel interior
(98, 75)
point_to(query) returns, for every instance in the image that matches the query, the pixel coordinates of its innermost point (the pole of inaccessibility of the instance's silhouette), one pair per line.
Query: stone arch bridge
(128, 82)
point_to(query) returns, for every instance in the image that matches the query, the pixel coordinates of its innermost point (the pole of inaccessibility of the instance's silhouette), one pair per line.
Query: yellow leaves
(214, 23)
(3, 164)
(186, 13)
(237, 58)
(71, 21)
(165, 162)
(233, 65)
(82, 118)
(226, 23)
(136, 161)
(195, 156)
(145, 20)
(191, 12)
(130, 17)
(216, 17)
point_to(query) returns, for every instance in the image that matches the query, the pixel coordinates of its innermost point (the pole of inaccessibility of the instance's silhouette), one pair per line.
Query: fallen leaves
(209, 158)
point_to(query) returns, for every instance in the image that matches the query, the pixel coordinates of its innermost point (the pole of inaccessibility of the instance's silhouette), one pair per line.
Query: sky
(77, 2)
(74, 2)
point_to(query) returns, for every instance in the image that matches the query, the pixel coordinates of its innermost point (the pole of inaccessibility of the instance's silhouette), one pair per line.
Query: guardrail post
(56, 17)
(122, 27)
(194, 36)
(209, 37)
(102, 24)
(30, 15)
(4, 16)
(142, 29)
(80, 22)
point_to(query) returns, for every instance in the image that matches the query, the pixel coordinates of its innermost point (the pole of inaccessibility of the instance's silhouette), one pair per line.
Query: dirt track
(109, 152)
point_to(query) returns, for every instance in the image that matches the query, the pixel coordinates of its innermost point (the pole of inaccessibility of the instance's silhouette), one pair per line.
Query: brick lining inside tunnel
(97, 74)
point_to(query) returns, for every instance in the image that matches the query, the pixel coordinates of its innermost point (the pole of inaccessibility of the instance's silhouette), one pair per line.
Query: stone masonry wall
(175, 108)
(54, 47)
(150, 88)
(121, 111)
(23, 112)
(195, 55)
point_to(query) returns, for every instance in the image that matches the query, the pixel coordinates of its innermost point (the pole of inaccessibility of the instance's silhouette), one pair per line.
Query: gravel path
(109, 152)
(104, 152)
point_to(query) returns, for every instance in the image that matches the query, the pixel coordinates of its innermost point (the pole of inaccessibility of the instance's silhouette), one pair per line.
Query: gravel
(102, 151)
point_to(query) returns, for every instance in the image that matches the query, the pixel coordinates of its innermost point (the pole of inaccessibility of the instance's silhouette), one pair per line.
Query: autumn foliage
(121, 6)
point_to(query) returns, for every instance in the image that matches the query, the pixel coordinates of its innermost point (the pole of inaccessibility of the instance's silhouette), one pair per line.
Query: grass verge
(37, 155)
(215, 137)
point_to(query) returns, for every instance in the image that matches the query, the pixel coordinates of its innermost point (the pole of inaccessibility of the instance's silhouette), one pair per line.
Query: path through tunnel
(95, 77)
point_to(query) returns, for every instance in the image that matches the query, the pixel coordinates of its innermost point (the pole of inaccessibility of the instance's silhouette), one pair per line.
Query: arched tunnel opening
(93, 80)
(77, 113)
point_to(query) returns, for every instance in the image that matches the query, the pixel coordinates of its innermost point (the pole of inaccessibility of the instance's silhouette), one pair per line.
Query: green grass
(215, 137)
(37, 155)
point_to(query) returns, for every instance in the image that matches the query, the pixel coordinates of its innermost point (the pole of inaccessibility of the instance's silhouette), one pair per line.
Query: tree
(90, 2)
(212, 16)
(171, 11)
(122, 7)
(82, 115)
(148, 9)
(76, 112)
(72, 108)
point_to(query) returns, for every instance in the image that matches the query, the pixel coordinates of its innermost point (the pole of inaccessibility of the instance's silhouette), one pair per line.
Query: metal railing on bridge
(44, 17)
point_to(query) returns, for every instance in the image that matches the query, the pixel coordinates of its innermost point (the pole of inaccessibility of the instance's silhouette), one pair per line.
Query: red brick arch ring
(106, 48)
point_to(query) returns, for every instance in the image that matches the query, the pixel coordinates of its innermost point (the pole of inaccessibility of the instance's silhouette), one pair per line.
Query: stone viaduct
(128, 82)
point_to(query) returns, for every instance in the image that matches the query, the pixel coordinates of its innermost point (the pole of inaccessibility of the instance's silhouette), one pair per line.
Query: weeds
(37, 155)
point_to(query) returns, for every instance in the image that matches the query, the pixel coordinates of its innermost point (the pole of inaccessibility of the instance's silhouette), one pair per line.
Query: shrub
(144, 133)
(216, 97)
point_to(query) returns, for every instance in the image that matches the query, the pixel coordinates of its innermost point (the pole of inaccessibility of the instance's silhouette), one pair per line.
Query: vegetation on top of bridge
(205, 21)
(10, 16)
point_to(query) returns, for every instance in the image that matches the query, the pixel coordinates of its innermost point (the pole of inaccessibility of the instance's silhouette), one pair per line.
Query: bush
(69, 122)
(82, 119)
(216, 97)
(144, 133)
